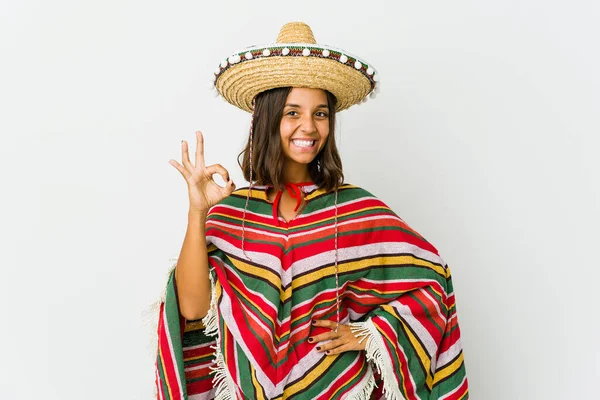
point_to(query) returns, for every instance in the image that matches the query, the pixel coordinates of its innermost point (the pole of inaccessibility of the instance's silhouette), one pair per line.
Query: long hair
(268, 159)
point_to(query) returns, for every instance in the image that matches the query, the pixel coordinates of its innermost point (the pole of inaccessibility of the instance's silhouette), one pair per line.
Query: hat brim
(240, 83)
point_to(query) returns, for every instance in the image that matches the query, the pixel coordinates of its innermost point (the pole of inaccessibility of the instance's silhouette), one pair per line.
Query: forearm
(191, 272)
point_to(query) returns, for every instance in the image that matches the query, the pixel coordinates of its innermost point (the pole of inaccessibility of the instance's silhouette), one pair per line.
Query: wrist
(197, 213)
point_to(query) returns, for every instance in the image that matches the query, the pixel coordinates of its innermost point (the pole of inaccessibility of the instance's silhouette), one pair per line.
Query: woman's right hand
(203, 191)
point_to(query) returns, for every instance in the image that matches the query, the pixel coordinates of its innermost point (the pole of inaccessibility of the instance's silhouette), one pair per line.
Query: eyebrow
(297, 106)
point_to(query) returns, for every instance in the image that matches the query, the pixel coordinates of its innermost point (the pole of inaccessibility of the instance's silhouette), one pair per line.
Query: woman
(301, 286)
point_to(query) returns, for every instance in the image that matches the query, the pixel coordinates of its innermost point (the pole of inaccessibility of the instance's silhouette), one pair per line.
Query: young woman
(300, 285)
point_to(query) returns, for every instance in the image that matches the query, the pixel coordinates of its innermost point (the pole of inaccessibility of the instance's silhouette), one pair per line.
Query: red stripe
(420, 313)
(344, 379)
(229, 356)
(383, 326)
(170, 371)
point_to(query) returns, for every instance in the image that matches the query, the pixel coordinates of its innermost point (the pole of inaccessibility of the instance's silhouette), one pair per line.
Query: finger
(179, 168)
(323, 337)
(324, 323)
(332, 345)
(339, 349)
(229, 188)
(199, 149)
(185, 157)
(218, 169)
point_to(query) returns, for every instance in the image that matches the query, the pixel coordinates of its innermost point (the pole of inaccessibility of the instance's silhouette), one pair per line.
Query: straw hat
(295, 60)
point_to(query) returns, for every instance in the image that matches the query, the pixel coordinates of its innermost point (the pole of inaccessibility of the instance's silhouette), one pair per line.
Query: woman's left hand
(343, 340)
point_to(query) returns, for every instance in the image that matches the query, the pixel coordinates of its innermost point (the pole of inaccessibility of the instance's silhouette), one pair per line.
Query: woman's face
(304, 125)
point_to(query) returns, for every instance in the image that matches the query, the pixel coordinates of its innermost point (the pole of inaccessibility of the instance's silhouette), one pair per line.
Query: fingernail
(319, 348)
(310, 339)
(314, 322)
(327, 352)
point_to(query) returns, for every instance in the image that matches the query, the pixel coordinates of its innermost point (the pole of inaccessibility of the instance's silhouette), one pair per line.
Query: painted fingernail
(327, 352)
(314, 322)
(319, 348)
(310, 339)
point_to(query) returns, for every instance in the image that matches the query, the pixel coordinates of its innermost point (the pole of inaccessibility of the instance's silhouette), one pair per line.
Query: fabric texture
(396, 293)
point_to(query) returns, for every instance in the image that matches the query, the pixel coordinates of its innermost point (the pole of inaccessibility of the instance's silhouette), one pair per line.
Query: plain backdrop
(484, 139)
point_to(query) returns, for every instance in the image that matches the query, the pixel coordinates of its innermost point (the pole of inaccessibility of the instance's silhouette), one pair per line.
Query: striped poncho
(394, 288)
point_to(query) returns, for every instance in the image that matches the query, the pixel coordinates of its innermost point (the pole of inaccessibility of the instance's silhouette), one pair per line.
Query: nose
(307, 124)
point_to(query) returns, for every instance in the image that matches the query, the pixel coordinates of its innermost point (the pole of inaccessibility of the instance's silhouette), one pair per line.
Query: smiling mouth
(305, 144)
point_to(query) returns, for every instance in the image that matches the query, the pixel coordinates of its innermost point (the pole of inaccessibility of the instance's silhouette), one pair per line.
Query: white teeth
(303, 143)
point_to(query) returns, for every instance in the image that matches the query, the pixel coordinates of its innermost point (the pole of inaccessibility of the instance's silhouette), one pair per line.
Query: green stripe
(417, 370)
(353, 382)
(163, 384)
(450, 383)
(341, 218)
(201, 378)
(172, 321)
(245, 372)
(254, 310)
(342, 361)
(347, 233)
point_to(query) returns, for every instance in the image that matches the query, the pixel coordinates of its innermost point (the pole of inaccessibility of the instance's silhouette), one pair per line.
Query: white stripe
(265, 260)
(204, 365)
(446, 357)
(363, 251)
(430, 281)
(430, 344)
(198, 346)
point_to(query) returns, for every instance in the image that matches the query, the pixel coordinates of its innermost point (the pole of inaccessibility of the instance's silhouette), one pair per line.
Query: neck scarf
(294, 189)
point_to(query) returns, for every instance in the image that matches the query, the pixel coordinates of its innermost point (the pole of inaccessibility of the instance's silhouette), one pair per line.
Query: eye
(322, 114)
(290, 112)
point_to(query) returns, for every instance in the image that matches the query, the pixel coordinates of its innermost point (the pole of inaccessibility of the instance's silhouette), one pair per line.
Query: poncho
(394, 289)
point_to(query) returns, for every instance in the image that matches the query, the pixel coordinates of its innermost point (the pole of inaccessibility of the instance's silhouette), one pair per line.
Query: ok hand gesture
(203, 191)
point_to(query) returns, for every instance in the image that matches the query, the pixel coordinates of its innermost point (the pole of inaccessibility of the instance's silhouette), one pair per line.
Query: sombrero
(295, 60)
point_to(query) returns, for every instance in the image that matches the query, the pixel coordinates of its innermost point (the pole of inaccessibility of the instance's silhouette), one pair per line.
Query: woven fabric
(395, 290)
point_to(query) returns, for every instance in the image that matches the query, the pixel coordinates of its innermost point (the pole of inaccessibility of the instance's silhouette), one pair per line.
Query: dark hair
(268, 159)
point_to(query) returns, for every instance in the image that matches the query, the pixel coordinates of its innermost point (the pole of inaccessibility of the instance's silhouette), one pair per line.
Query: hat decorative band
(244, 74)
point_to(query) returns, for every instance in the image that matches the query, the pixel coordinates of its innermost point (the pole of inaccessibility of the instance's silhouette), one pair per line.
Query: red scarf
(294, 191)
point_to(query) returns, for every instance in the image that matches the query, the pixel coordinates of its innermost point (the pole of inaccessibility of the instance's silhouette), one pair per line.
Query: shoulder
(385, 217)
(257, 197)
(352, 192)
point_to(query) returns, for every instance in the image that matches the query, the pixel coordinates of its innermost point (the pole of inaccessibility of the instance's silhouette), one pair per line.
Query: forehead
(307, 96)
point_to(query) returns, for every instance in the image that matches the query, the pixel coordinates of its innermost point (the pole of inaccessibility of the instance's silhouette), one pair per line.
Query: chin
(300, 160)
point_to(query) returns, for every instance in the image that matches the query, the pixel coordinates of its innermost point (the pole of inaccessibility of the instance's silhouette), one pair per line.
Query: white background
(484, 138)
